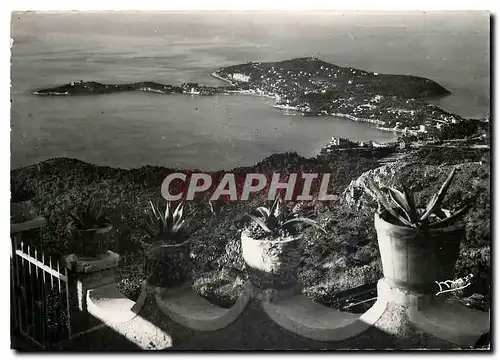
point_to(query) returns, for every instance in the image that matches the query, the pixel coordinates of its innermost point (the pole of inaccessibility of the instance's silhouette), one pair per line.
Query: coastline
(304, 95)
(312, 87)
(399, 99)
(241, 92)
(287, 107)
(214, 74)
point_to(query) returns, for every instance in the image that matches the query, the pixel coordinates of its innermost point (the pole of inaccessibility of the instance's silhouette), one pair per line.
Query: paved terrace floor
(253, 330)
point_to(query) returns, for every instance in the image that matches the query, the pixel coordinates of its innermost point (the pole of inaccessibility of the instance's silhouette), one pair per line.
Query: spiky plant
(215, 207)
(166, 224)
(274, 221)
(86, 226)
(91, 217)
(403, 210)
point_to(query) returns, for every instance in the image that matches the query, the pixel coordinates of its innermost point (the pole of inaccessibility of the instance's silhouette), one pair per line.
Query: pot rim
(97, 230)
(166, 245)
(378, 219)
(246, 236)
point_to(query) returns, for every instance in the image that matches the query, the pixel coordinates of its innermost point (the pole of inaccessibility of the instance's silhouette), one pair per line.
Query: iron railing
(39, 294)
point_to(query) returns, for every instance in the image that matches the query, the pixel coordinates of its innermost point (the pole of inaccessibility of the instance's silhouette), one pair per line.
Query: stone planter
(85, 274)
(271, 263)
(414, 260)
(167, 265)
(90, 243)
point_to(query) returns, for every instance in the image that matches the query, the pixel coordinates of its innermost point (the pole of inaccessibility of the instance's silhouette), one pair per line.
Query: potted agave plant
(418, 246)
(166, 254)
(271, 246)
(90, 228)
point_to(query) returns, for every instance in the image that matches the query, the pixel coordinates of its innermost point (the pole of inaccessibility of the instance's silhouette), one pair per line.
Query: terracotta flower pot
(414, 259)
(167, 265)
(272, 263)
(90, 242)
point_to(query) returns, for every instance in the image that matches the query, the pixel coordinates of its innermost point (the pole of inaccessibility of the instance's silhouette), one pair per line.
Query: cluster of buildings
(343, 143)
(197, 89)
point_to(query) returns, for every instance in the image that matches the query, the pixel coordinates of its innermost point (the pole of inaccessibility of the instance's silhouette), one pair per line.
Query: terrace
(100, 317)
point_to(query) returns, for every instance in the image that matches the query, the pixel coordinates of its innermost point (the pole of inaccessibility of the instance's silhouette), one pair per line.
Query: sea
(129, 130)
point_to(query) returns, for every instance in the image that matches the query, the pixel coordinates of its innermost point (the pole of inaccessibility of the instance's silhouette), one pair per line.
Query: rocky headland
(76, 88)
(312, 87)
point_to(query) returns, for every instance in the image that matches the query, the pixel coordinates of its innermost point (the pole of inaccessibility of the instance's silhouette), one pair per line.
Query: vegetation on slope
(344, 258)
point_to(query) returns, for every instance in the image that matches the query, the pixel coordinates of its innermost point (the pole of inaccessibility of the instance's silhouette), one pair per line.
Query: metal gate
(358, 299)
(39, 294)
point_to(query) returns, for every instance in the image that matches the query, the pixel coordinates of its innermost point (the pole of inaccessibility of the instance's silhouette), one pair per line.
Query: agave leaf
(260, 222)
(273, 207)
(276, 207)
(381, 198)
(264, 211)
(453, 216)
(179, 211)
(150, 225)
(400, 199)
(192, 213)
(446, 185)
(177, 223)
(272, 223)
(155, 212)
(178, 226)
(440, 213)
(100, 212)
(306, 221)
(147, 227)
(411, 204)
(437, 199)
(430, 207)
(167, 211)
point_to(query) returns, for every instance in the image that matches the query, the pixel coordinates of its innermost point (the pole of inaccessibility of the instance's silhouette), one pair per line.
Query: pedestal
(87, 274)
(428, 321)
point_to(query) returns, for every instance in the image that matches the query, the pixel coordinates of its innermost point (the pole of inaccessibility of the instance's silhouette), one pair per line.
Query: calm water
(133, 129)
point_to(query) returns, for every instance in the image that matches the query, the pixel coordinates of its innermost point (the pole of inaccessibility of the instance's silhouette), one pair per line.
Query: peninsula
(310, 86)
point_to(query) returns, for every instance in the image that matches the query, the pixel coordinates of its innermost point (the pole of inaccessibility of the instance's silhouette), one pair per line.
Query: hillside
(344, 258)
